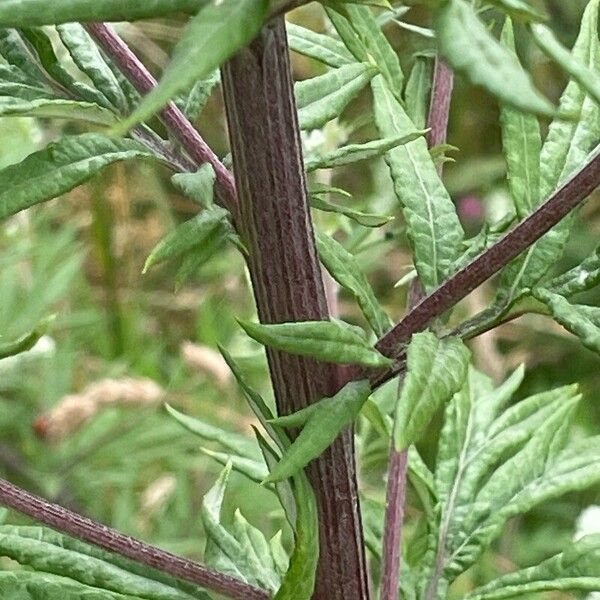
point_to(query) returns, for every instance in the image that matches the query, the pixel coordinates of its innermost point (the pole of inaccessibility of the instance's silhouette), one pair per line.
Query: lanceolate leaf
(344, 268)
(565, 150)
(522, 144)
(433, 226)
(330, 341)
(436, 370)
(55, 556)
(578, 279)
(55, 109)
(362, 218)
(189, 235)
(218, 31)
(87, 57)
(25, 342)
(352, 153)
(520, 9)
(27, 13)
(198, 186)
(324, 423)
(60, 167)
(582, 321)
(417, 92)
(469, 48)
(324, 98)
(577, 568)
(321, 47)
(587, 78)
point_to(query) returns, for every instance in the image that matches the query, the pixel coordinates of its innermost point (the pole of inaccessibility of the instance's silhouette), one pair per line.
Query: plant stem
(462, 283)
(174, 119)
(85, 529)
(277, 229)
(439, 109)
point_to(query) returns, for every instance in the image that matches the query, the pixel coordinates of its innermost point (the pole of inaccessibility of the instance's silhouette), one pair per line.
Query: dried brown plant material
(207, 361)
(75, 410)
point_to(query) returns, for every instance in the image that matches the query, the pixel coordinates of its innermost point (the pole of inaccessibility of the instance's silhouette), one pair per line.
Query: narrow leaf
(344, 268)
(60, 167)
(218, 31)
(325, 97)
(330, 341)
(362, 218)
(55, 109)
(25, 342)
(468, 46)
(578, 279)
(321, 47)
(433, 225)
(418, 90)
(322, 427)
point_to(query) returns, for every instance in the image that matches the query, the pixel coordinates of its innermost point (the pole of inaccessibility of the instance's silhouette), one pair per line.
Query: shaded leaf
(321, 47)
(330, 341)
(362, 218)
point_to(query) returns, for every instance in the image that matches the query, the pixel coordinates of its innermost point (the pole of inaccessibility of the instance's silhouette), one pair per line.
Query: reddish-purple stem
(178, 124)
(439, 109)
(90, 531)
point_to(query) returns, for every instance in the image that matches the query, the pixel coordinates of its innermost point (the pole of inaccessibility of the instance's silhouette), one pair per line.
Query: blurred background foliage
(81, 258)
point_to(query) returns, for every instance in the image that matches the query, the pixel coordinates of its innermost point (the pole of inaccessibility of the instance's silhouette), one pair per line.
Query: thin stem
(490, 262)
(439, 109)
(174, 119)
(394, 521)
(95, 533)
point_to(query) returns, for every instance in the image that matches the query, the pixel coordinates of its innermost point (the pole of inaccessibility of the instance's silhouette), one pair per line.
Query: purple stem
(90, 531)
(394, 520)
(439, 108)
(174, 119)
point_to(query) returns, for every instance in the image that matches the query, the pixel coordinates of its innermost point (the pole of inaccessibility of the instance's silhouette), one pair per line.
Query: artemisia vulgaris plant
(496, 459)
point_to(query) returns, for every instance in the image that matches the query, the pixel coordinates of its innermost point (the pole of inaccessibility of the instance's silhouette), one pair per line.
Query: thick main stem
(276, 226)
(90, 531)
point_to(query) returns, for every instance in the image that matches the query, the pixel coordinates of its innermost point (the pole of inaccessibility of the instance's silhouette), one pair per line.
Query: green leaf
(323, 425)
(87, 57)
(27, 13)
(55, 109)
(581, 320)
(353, 153)
(53, 554)
(232, 552)
(347, 33)
(198, 97)
(577, 568)
(60, 167)
(362, 218)
(433, 225)
(236, 443)
(321, 47)
(199, 186)
(519, 9)
(324, 98)
(254, 470)
(522, 144)
(565, 151)
(329, 341)
(217, 32)
(465, 42)
(586, 77)
(436, 370)
(375, 44)
(25, 342)
(17, 53)
(344, 268)
(189, 236)
(418, 91)
(578, 279)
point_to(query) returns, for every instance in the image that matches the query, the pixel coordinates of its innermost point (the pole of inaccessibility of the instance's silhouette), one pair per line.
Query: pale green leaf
(25, 342)
(60, 167)
(522, 144)
(329, 341)
(436, 370)
(321, 47)
(255, 470)
(578, 279)
(577, 568)
(520, 9)
(581, 320)
(55, 108)
(26, 13)
(199, 95)
(418, 91)
(323, 425)
(344, 268)
(189, 235)
(362, 218)
(353, 153)
(198, 186)
(433, 225)
(218, 31)
(325, 97)
(468, 46)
